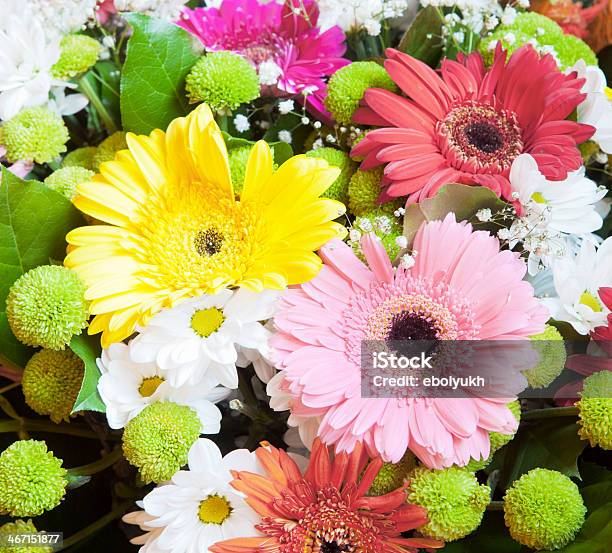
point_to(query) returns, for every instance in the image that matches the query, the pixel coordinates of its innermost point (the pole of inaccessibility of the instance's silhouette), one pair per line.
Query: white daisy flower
(27, 54)
(199, 507)
(201, 338)
(596, 109)
(577, 279)
(127, 387)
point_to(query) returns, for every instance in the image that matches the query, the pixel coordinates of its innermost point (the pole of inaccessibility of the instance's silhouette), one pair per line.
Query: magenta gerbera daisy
(468, 124)
(293, 57)
(462, 287)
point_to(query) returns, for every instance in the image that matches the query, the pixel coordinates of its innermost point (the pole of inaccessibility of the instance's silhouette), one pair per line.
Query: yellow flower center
(206, 321)
(196, 239)
(149, 385)
(214, 510)
(591, 301)
(538, 198)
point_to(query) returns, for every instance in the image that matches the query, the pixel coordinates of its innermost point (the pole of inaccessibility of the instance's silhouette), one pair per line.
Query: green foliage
(88, 349)
(423, 40)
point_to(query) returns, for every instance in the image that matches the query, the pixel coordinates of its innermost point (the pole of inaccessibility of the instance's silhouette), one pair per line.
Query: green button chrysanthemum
(223, 80)
(46, 307)
(348, 85)
(51, 382)
(66, 179)
(336, 158)
(81, 157)
(108, 148)
(32, 479)
(77, 54)
(392, 475)
(363, 192)
(238, 158)
(545, 36)
(20, 527)
(454, 500)
(158, 439)
(34, 134)
(595, 410)
(551, 349)
(543, 509)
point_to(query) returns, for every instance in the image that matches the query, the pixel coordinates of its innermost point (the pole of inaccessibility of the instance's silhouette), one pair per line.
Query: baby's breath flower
(241, 123)
(286, 106)
(285, 136)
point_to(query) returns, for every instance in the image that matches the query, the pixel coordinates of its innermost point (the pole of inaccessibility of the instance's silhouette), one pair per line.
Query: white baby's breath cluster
(63, 16)
(353, 15)
(169, 10)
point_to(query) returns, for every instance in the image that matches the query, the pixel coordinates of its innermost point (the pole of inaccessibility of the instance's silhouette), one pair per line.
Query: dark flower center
(208, 242)
(411, 326)
(333, 547)
(484, 136)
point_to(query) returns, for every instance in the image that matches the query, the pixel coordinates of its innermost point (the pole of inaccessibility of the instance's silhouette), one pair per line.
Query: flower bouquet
(216, 218)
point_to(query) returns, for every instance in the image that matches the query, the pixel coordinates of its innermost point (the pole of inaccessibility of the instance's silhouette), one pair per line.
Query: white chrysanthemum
(577, 280)
(127, 387)
(169, 10)
(201, 337)
(199, 507)
(596, 109)
(281, 400)
(63, 104)
(357, 14)
(27, 53)
(551, 210)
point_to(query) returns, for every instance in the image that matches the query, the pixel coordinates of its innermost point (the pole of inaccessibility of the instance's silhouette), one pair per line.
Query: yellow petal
(258, 171)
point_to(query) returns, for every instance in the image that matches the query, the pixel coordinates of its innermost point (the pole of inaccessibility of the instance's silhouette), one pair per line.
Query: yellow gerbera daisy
(174, 228)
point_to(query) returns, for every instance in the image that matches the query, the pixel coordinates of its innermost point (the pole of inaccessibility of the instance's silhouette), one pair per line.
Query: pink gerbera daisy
(293, 57)
(469, 124)
(461, 287)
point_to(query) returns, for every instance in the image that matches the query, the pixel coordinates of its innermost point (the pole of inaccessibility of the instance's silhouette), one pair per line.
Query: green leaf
(34, 221)
(290, 122)
(88, 349)
(159, 57)
(415, 41)
(280, 150)
(461, 199)
(553, 444)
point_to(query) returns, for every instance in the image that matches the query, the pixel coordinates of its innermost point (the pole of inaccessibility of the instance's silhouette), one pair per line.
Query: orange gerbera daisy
(326, 509)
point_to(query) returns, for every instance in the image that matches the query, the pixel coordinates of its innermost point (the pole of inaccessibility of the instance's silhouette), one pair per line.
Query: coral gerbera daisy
(326, 508)
(175, 230)
(469, 124)
(282, 40)
(461, 287)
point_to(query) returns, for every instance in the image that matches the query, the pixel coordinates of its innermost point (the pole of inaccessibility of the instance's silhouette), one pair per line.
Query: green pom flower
(384, 226)
(543, 509)
(34, 134)
(223, 80)
(497, 441)
(108, 148)
(81, 157)
(348, 85)
(454, 500)
(32, 479)
(551, 349)
(544, 34)
(392, 475)
(336, 158)
(158, 439)
(78, 53)
(20, 527)
(363, 192)
(65, 180)
(51, 382)
(595, 410)
(46, 307)
(238, 158)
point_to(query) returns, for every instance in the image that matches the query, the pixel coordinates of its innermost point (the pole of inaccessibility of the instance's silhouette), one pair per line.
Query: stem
(9, 387)
(550, 413)
(42, 426)
(96, 102)
(97, 466)
(495, 506)
(94, 527)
